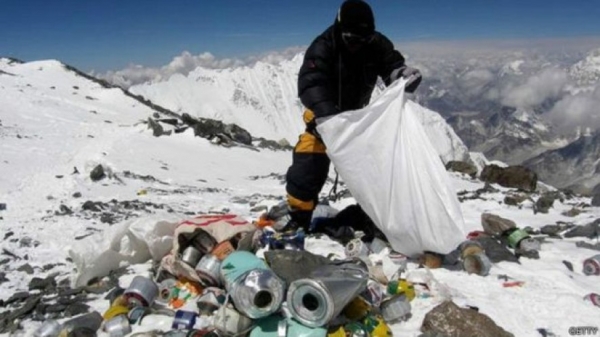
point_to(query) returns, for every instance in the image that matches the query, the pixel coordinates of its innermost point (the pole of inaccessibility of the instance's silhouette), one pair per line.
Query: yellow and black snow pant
(308, 173)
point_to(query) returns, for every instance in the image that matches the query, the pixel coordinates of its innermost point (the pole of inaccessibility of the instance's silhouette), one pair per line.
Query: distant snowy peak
(512, 68)
(587, 71)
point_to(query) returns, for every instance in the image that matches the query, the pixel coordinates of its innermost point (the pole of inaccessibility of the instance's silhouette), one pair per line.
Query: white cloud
(474, 82)
(548, 83)
(186, 62)
(579, 110)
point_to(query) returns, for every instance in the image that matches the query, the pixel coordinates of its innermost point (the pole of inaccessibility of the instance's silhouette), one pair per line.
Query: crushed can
(50, 328)
(142, 291)
(401, 287)
(277, 240)
(203, 241)
(191, 256)
(395, 309)
(117, 326)
(229, 321)
(478, 264)
(184, 320)
(592, 298)
(591, 266)
(374, 293)
(376, 326)
(211, 299)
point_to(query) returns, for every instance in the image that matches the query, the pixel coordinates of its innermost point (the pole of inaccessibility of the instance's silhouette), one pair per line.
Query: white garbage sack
(128, 243)
(393, 171)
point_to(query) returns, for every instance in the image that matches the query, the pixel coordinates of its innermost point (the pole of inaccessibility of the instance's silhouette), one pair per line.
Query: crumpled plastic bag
(393, 171)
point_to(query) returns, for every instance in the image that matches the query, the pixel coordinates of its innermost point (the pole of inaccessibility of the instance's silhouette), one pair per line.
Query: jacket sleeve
(391, 59)
(315, 79)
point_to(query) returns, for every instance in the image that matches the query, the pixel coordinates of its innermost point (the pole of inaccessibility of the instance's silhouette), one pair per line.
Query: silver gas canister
(357, 248)
(141, 292)
(191, 256)
(117, 326)
(477, 263)
(591, 266)
(208, 269)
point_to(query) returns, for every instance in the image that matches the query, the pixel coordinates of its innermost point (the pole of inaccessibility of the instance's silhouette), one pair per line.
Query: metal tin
(355, 329)
(593, 298)
(184, 320)
(222, 250)
(317, 300)
(165, 291)
(49, 328)
(401, 287)
(395, 309)
(515, 237)
(357, 248)
(211, 299)
(376, 326)
(91, 321)
(191, 256)
(117, 326)
(478, 264)
(142, 291)
(230, 322)
(208, 269)
(591, 266)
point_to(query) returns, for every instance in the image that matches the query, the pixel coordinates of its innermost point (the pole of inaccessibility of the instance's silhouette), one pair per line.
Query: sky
(110, 35)
(56, 129)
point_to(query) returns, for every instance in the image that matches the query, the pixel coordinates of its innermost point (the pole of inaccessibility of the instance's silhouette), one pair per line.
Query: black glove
(412, 74)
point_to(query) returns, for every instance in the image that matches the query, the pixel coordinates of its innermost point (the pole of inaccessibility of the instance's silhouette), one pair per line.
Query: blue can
(184, 320)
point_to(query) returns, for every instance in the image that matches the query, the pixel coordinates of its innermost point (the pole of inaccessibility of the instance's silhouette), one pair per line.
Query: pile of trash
(226, 276)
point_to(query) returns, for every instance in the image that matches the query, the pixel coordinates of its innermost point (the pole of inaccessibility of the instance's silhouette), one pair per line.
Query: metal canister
(593, 298)
(142, 291)
(184, 320)
(591, 266)
(478, 264)
(395, 309)
(91, 321)
(431, 260)
(222, 250)
(191, 256)
(117, 326)
(357, 248)
(516, 236)
(203, 241)
(212, 298)
(208, 270)
(165, 291)
(50, 328)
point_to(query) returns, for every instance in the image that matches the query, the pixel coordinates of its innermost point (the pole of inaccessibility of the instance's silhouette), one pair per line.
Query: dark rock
(596, 200)
(170, 121)
(3, 277)
(97, 173)
(47, 283)
(495, 225)
(568, 264)
(64, 210)
(7, 323)
(114, 293)
(515, 199)
(259, 208)
(582, 244)
(82, 332)
(462, 167)
(8, 234)
(543, 204)
(76, 309)
(55, 308)
(18, 297)
(513, 176)
(26, 241)
(157, 129)
(77, 195)
(26, 268)
(92, 206)
(551, 230)
(495, 251)
(573, 212)
(450, 320)
(282, 145)
(589, 231)
(530, 254)
(108, 218)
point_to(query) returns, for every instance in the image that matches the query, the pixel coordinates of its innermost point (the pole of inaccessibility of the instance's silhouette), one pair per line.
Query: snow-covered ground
(55, 127)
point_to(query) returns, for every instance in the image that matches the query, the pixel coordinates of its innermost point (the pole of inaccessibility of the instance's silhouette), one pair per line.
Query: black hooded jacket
(332, 79)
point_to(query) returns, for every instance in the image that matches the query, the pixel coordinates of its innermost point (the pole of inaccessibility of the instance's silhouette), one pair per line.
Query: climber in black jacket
(339, 73)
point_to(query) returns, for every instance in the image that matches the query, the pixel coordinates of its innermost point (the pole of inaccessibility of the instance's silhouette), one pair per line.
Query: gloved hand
(413, 75)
